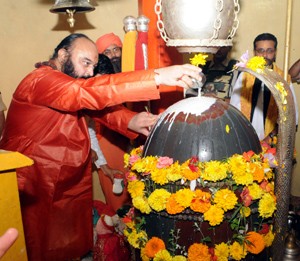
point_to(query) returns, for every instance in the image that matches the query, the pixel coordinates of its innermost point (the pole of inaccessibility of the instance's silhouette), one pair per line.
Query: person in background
(2, 115)
(251, 96)
(220, 76)
(294, 71)
(104, 66)
(56, 191)
(111, 46)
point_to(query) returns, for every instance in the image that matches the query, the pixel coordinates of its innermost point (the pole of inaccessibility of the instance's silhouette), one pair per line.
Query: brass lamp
(70, 7)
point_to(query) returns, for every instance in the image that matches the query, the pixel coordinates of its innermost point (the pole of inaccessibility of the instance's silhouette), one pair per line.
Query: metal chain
(159, 23)
(236, 21)
(218, 21)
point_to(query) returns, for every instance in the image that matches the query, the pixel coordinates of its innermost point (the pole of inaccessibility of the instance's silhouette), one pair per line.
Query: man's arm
(294, 71)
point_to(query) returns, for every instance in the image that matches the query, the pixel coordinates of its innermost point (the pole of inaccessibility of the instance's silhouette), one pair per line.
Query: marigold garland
(250, 174)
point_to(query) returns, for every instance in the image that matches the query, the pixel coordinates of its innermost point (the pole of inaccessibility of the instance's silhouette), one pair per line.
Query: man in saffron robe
(253, 98)
(45, 122)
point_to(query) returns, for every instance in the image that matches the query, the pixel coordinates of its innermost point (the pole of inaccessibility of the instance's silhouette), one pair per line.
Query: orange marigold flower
(201, 201)
(254, 242)
(257, 171)
(172, 206)
(198, 252)
(153, 246)
(188, 173)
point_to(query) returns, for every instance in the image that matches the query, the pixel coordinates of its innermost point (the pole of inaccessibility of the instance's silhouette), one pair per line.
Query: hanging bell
(80, 6)
(71, 7)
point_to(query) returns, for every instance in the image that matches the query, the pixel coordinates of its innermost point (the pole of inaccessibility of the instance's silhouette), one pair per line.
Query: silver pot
(197, 25)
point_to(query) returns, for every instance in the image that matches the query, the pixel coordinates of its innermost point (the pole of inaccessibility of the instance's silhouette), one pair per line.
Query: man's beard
(116, 62)
(270, 62)
(68, 68)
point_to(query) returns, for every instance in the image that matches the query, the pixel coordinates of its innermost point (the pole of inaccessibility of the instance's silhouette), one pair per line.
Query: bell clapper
(71, 19)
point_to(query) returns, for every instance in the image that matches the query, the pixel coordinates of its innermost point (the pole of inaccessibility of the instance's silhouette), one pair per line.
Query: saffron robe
(242, 99)
(45, 123)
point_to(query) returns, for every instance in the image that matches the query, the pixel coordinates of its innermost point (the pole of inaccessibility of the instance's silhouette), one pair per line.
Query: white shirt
(95, 145)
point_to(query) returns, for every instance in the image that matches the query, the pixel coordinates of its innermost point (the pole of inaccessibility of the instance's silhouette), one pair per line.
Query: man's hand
(109, 172)
(142, 122)
(178, 75)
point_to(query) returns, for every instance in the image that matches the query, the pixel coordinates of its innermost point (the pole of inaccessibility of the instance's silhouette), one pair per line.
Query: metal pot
(197, 25)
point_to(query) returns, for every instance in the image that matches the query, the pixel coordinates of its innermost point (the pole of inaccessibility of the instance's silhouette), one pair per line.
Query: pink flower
(133, 159)
(271, 159)
(130, 177)
(244, 60)
(164, 162)
(246, 198)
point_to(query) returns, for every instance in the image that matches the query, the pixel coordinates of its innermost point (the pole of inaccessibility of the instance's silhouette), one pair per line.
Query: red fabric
(111, 247)
(139, 53)
(44, 122)
(103, 208)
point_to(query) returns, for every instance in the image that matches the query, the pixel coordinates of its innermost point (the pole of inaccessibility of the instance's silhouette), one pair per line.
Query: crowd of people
(66, 100)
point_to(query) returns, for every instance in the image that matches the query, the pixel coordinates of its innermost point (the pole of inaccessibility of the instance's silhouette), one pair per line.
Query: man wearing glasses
(252, 98)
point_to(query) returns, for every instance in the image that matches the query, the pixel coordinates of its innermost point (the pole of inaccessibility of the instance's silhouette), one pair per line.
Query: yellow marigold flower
(201, 201)
(163, 255)
(256, 63)
(143, 255)
(243, 179)
(159, 176)
(237, 252)
(266, 206)
(214, 171)
(174, 172)
(268, 238)
(198, 252)
(136, 151)
(126, 159)
(214, 215)
(184, 197)
(199, 59)
(255, 191)
(254, 242)
(222, 251)
(179, 258)
(136, 188)
(283, 93)
(245, 211)
(141, 204)
(225, 199)
(239, 169)
(153, 246)
(158, 199)
(172, 206)
(137, 239)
